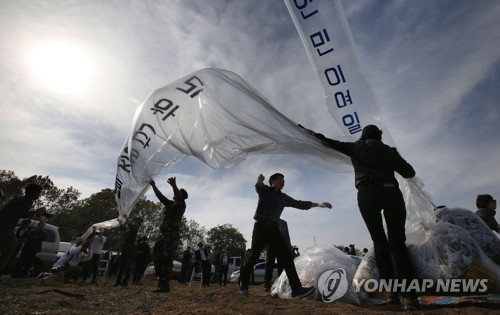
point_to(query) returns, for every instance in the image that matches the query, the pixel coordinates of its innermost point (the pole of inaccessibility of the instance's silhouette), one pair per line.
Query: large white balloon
(215, 116)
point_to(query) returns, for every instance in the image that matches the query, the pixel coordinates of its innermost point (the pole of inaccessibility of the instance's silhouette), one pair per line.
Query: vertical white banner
(326, 36)
(324, 31)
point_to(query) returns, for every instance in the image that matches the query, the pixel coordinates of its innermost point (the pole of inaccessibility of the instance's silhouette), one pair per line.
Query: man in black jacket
(374, 165)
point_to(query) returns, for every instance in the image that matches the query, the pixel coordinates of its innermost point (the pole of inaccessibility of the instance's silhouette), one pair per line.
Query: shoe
(410, 303)
(302, 292)
(267, 287)
(243, 288)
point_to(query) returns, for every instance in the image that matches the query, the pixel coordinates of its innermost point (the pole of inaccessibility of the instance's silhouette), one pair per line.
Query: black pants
(391, 253)
(206, 273)
(186, 270)
(268, 275)
(126, 260)
(267, 232)
(223, 274)
(94, 266)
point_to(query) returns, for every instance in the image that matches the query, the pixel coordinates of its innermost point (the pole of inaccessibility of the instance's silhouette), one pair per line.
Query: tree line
(73, 215)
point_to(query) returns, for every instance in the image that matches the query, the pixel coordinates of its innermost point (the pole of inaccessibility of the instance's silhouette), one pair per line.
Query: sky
(72, 74)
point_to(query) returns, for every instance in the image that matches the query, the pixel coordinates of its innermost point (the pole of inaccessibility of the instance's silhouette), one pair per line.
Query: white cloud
(433, 67)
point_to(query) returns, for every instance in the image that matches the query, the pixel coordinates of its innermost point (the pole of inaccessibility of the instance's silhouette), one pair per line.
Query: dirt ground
(29, 296)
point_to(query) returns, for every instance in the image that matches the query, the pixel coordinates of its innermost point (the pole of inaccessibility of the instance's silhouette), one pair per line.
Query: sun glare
(61, 66)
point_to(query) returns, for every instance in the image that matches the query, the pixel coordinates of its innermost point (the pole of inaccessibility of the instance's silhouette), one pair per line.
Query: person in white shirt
(98, 241)
(68, 264)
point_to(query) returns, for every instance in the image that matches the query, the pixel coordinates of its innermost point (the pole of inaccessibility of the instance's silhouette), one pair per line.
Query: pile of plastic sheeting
(485, 238)
(453, 246)
(456, 245)
(313, 263)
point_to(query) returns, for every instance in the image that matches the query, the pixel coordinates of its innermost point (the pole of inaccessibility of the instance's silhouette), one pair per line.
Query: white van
(45, 259)
(234, 264)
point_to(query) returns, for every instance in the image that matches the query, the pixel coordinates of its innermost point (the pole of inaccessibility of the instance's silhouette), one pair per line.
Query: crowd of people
(378, 195)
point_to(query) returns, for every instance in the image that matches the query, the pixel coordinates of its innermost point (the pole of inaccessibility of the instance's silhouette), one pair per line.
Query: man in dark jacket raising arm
(266, 231)
(374, 165)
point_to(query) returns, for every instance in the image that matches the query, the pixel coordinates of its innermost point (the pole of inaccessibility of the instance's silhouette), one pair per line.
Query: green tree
(11, 186)
(227, 237)
(54, 199)
(98, 207)
(191, 234)
(152, 214)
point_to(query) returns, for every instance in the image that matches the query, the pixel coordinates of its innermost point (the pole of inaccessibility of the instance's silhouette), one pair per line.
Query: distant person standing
(166, 246)
(10, 214)
(187, 257)
(201, 258)
(374, 165)
(271, 203)
(131, 228)
(96, 246)
(223, 268)
(142, 259)
(486, 206)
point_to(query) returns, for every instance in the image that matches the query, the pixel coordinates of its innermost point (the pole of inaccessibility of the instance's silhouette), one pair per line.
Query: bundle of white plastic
(312, 264)
(456, 245)
(485, 238)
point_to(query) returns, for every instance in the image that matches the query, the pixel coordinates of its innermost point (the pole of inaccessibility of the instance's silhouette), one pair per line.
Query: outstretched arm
(342, 147)
(156, 190)
(325, 204)
(172, 181)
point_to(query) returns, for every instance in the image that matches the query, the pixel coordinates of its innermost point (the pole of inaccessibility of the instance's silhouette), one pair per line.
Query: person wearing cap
(374, 165)
(131, 228)
(166, 245)
(486, 206)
